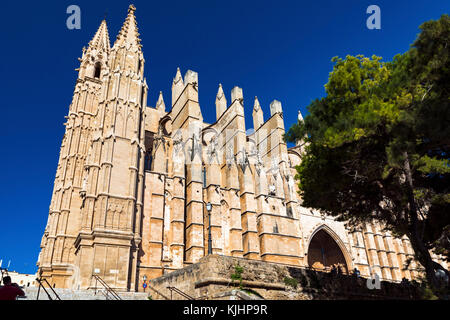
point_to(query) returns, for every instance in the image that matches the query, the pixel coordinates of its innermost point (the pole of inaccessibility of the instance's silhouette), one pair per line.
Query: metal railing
(41, 282)
(158, 292)
(181, 293)
(107, 288)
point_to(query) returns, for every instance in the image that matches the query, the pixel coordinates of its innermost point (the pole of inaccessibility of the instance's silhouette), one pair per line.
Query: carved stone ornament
(272, 189)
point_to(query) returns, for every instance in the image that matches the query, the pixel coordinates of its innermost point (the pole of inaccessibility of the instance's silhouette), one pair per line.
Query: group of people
(337, 269)
(10, 290)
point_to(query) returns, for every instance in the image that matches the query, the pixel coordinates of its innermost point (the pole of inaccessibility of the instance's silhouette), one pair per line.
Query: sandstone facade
(133, 181)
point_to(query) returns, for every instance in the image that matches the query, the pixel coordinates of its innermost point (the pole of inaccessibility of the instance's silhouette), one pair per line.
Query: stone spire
(258, 117)
(177, 86)
(129, 33)
(275, 107)
(256, 106)
(178, 77)
(100, 41)
(191, 77)
(299, 117)
(95, 57)
(160, 105)
(126, 53)
(236, 94)
(221, 102)
(300, 142)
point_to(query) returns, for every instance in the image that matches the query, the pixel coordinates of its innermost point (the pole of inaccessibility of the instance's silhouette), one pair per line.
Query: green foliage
(252, 292)
(378, 143)
(292, 282)
(237, 275)
(427, 294)
(294, 132)
(428, 165)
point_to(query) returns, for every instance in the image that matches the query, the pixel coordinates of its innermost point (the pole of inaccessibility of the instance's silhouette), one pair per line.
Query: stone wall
(211, 278)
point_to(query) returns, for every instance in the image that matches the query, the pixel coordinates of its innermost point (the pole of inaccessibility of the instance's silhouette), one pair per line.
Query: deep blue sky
(272, 49)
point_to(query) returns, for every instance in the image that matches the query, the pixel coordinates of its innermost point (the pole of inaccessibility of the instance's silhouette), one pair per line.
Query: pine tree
(378, 144)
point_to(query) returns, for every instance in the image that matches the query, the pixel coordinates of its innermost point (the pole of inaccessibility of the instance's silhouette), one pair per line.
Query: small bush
(291, 282)
(252, 292)
(237, 275)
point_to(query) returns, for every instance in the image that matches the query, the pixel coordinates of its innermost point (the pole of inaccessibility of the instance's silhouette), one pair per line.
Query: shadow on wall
(329, 286)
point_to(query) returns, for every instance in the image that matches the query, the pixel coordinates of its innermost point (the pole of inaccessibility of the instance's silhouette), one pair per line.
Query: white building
(23, 280)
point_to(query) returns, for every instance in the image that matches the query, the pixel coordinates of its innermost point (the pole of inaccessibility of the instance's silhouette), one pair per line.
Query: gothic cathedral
(143, 190)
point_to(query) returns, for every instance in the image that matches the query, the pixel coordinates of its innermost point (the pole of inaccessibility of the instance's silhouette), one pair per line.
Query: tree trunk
(422, 253)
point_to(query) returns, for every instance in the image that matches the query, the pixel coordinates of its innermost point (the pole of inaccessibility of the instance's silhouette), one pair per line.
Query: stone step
(69, 294)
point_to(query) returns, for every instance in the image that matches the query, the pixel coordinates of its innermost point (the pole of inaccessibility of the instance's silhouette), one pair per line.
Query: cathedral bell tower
(108, 241)
(94, 220)
(57, 258)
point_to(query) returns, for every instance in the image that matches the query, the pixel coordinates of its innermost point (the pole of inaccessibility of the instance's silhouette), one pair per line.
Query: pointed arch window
(148, 161)
(204, 176)
(97, 70)
(142, 96)
(289, 212)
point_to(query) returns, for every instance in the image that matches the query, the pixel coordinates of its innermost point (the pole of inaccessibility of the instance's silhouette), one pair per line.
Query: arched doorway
(324, 252)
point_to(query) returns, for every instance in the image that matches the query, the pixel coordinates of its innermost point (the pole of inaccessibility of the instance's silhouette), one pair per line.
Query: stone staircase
(69, 294)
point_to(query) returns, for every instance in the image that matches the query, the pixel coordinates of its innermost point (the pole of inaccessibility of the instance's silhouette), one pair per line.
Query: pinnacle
(160, 98)
(220, 93)
(100, 40)
(178, 76)
(256, 106)
(160, 103)
(129, 32)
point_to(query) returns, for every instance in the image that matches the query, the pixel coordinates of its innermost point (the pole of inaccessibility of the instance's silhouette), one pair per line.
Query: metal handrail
(41, 284)
(107, 287)
(105, 293)
(158, 293)
(181, 293)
